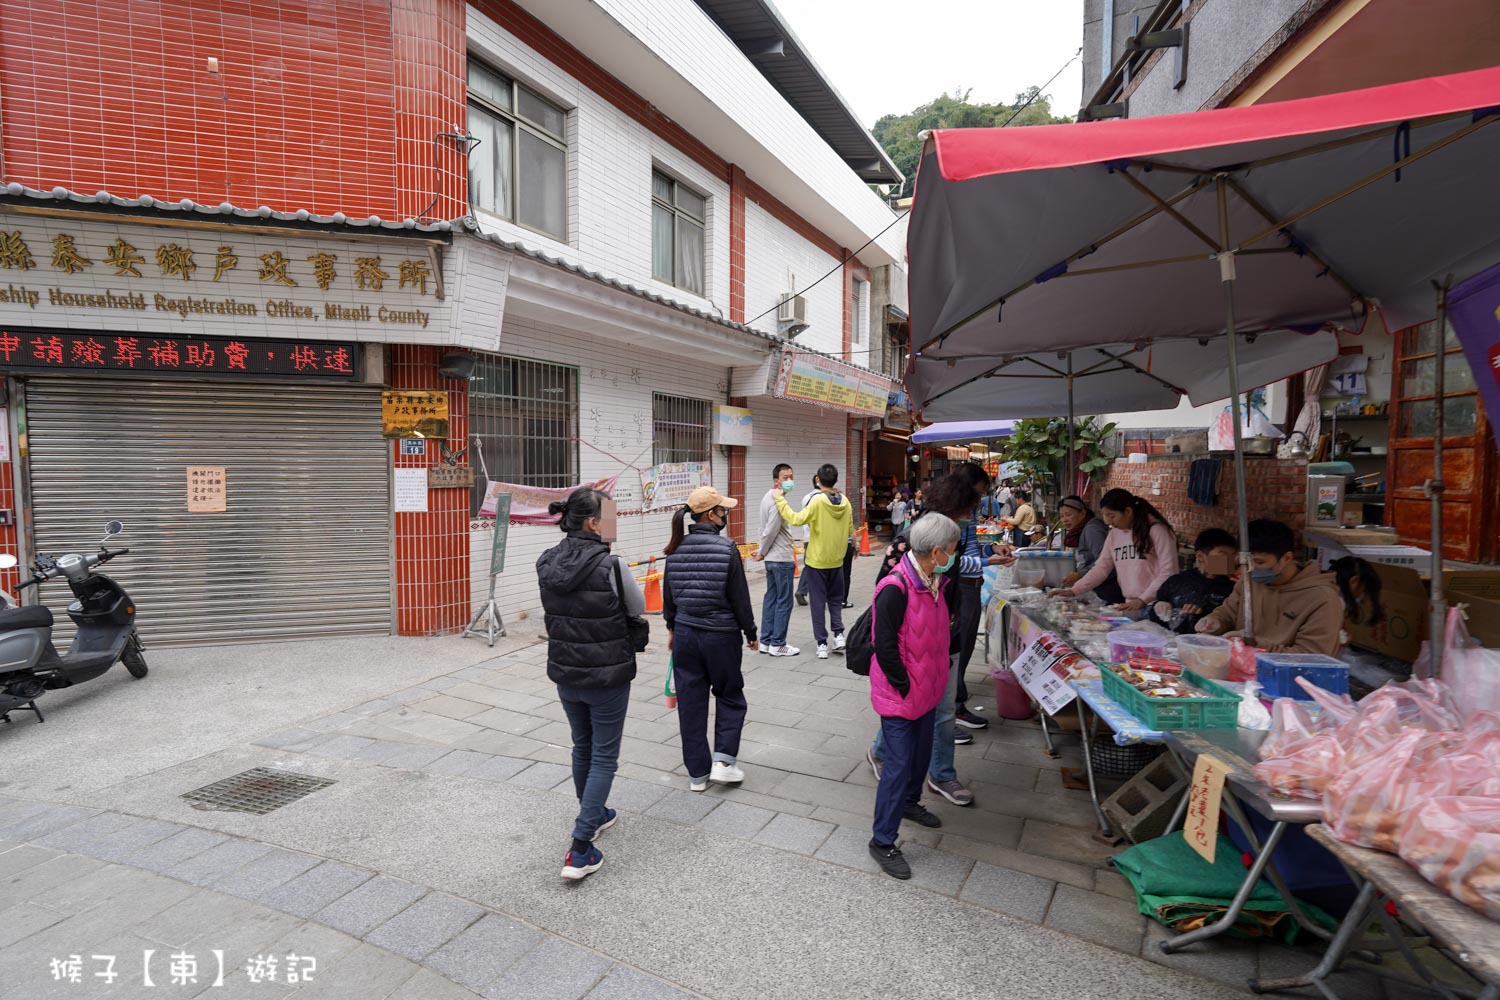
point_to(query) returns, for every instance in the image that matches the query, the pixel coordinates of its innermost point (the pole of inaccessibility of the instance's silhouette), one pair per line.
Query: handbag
(638, 627)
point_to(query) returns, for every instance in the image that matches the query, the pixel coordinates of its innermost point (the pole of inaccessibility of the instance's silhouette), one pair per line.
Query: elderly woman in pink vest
(914, 645)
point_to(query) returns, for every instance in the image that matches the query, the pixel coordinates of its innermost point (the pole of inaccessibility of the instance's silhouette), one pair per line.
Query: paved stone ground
(430, 867)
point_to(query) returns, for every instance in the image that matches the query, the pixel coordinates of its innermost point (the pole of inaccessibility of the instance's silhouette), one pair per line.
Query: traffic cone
(652, 580)
(796, 566)
(864, 539)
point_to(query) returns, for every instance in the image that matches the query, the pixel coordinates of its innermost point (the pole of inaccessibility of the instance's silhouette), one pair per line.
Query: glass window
(519, 169)
(861, 311)
(1460, 417)
(1417, 375)
(677, 234)
(525, 416)
(679, 429)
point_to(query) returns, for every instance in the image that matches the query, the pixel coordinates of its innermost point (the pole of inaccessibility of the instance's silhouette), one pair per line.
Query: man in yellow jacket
(830, 521)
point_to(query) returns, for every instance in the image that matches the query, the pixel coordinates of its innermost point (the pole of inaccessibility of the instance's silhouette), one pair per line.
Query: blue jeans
(941, 766)
(597, 718)
(776, 609)
(909, 743)
(708, 663)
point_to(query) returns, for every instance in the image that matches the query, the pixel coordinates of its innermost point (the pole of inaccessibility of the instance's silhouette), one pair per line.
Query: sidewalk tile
(495, 768)
(31, 820)
(213, 864)
(553, 754)
(836, 726)
(827, 792)
(458, 762)
(110, 836)
(736, 819)
(1065, 843)
(636, 796)
(553, 970)
(933, 869)
(1051, 869)
(745, 795)
(287, 738)
(494, 742)
(542, 775)
(369, 905)
(441, 683)
(1112, 883)
(975, 822)
(428, 985)
(253, 880)
(437, 728)
(482, 952)
(683, 807)
(22, 857)
(366, 972)
(796, 761)
(316, 888)
(649, 754)
(369, 708)
(40, 880)
(794, 833)
(380, 751)
(1224, 959)
(450, 707)
(173, 850)
(23, 920)
(414, 758)
(1101, 919)
(1014, 893)
(849, 846)
(784, 736)
(627, 984)
(425, 926)
(1279, 961)
(332, 723)
(342, 747)
(201, 912)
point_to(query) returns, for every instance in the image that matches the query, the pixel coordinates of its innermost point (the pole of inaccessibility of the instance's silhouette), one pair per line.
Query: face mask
(1265, 575)
(787, 484)
(945, 567)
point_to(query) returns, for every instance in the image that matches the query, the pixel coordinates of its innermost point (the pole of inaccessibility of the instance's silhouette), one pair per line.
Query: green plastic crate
(1220, 711)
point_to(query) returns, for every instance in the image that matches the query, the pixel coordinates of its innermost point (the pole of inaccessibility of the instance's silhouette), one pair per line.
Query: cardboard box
(1405, 594)
(1392, 555)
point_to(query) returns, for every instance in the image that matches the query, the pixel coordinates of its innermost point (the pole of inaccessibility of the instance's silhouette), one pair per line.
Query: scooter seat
(31, 616)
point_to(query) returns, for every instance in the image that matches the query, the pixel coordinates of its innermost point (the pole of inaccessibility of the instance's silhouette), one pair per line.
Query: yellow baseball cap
(706, 498)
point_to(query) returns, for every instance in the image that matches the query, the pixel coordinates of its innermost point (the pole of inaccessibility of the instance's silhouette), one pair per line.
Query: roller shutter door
(304, 548)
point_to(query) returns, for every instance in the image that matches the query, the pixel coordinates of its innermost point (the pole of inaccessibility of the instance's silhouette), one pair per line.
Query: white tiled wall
(610, 158)
(774, 257)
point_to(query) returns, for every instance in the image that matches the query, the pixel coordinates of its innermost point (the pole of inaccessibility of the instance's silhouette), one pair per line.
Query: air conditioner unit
(793, 309)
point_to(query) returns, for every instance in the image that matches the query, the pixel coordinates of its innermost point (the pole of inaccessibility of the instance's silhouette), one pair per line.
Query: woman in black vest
(586, 593)
(706, 605)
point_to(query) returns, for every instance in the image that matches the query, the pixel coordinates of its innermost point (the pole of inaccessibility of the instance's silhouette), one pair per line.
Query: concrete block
(1142, 807)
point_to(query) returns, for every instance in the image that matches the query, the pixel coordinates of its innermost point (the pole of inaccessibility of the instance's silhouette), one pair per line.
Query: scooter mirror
(113, 528)
(8, 561)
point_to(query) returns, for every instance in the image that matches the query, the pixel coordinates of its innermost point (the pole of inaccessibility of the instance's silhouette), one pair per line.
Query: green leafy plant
(1040, 448)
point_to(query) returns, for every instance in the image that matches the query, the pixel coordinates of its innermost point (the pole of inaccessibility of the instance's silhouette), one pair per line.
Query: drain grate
(259, 790)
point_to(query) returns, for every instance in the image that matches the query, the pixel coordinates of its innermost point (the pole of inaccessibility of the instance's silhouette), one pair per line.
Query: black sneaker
(891, 860)
(969, 720)
(961, 738)
(918, 813)
(802, 599)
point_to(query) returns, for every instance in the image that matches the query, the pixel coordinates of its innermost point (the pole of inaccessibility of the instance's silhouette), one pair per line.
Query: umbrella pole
(1226, 277)
(1072, 463)
(1437, 630)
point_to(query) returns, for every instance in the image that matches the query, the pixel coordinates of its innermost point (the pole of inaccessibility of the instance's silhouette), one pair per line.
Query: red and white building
(228, 228)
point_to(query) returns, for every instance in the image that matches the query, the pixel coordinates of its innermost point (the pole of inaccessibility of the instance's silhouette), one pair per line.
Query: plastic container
(1278, 673)
(1125, 641)
(1054, 564)
(1205, 655)
(1221, 710)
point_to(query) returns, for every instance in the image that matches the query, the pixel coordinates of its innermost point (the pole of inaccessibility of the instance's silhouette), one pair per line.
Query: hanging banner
(502, 533)
(812, 378)
(1474, 311)
(668, 484)
(528, 504)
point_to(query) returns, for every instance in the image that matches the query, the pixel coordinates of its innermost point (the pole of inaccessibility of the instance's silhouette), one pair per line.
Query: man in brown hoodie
(1297, 608)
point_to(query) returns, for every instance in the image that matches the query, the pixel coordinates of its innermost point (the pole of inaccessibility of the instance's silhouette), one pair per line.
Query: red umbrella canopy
(1055, 237)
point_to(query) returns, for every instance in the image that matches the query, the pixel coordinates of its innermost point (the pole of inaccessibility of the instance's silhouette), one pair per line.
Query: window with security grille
(525, 416)
(679, 429)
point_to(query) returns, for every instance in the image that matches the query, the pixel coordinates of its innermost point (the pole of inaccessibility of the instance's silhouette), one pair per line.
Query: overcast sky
(888, 57)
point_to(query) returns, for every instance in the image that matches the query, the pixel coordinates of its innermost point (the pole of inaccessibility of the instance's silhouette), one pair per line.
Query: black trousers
(707, 664)
(969, 612)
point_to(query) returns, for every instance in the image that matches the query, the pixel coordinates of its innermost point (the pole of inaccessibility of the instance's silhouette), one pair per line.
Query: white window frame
(517, 124)
(860, 310)
(679, 213)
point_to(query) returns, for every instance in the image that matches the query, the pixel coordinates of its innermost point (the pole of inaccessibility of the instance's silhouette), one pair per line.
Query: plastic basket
(1109, 758)
(1221, 710)
(1278, 673)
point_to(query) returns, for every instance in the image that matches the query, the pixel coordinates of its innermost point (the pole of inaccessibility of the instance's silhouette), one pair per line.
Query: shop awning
(1109, 232)
(963, 430)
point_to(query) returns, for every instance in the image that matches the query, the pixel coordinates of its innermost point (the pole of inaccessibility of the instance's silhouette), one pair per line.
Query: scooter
(105, 615)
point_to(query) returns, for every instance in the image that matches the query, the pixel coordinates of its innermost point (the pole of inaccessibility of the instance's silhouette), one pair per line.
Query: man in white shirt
(776, 552)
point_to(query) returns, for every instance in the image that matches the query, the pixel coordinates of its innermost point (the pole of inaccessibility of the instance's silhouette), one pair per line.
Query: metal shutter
(305, 548)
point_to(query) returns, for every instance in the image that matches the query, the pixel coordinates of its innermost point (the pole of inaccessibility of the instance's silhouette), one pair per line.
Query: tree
(897, 134)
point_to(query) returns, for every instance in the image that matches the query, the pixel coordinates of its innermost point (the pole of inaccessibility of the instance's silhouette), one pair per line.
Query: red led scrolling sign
(147, 354)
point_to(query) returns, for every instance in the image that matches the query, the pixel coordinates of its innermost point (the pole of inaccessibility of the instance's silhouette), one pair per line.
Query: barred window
(525, 415)
(679, 429)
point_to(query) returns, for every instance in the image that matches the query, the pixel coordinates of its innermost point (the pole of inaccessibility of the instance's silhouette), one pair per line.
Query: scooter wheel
(134, 658)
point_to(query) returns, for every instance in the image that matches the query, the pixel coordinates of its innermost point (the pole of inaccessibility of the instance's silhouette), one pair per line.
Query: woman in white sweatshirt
(1140, 549)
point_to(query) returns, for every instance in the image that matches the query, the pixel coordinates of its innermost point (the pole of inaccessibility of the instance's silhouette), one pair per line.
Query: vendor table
(1467, 937)
(1236, 748)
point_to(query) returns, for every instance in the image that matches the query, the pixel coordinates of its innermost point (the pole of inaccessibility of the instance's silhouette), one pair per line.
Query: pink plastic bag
(1304, 771)
(1366, 804)
(1241, 661)
(1455, 844)
(1291, 723)
(1472, 672)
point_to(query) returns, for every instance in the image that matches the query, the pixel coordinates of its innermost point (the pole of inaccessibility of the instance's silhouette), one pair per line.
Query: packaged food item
(1454, 842)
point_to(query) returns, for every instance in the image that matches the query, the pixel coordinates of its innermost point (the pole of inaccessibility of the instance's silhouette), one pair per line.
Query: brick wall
(301, 113)
(1278, 489)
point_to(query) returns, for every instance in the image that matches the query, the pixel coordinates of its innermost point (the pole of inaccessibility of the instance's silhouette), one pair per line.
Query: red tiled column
(737, 189)
(431, 97)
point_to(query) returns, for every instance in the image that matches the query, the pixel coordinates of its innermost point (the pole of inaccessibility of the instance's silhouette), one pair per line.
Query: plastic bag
(1470, 671)
(1253, 715)
(1304, 771)
(1455, 844)
(1366, 804)
(1291, 723)
(1241, 661)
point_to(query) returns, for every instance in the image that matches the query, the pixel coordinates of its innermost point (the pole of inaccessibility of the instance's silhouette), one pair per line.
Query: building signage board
(668, 484)
(414, 413)
(230, 281)
(23, 348)
(410, 491)
(733, 426)
(812, 378)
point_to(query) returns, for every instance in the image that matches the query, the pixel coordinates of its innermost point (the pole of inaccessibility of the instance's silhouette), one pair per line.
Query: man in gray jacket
(776, 553)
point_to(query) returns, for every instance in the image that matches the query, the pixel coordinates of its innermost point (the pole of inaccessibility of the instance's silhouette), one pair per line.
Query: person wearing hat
(706, 606)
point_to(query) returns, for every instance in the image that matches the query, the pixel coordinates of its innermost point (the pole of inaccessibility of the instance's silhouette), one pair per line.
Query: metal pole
(1226, 277)
(1437, 630)
(1072, 463)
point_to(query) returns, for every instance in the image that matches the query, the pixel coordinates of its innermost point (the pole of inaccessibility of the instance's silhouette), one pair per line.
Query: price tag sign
(1201, 827)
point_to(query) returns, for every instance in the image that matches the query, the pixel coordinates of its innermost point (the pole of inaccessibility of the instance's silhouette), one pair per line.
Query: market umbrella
(963, 430)
(1188, 227)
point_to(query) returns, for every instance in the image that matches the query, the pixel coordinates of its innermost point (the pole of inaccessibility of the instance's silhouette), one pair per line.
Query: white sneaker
(726, 774)
(838, 642)
(697, 784)
(822, 650)
(786, 651)
(767, 649)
